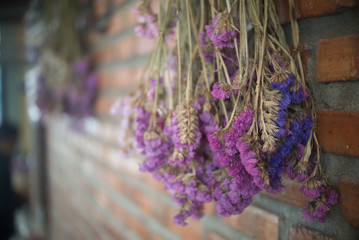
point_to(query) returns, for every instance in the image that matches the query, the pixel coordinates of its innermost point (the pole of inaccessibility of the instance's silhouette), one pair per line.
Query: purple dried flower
(219, 91)
(142, 122)
(147, 20)
(221, 32)
(299, 134)
(320, 206)
(312, 188)
(80, 97)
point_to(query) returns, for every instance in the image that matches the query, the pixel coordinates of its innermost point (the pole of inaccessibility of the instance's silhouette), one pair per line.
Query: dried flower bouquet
(225, 111)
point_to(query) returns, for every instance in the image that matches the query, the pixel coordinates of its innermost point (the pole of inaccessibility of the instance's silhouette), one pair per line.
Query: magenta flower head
(312, 188)
(221, 32)
(221, 90)
(147, 20)
(319, 207)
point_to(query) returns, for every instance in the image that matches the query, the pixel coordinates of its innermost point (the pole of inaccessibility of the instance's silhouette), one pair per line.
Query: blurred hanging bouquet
(82, 92)
(225, 113)
(67, 82)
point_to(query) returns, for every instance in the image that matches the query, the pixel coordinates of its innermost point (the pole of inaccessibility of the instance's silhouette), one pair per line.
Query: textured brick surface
(103, 105)
(300, 233)
(349, 199)
(215, 236)
(291, 195)
(311, 8)
(123, 78)
(256, 222)
(338, 59)
(121, 21)
(338, 132)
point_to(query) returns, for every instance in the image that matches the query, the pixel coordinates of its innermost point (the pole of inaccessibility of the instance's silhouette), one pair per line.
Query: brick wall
(94, 194)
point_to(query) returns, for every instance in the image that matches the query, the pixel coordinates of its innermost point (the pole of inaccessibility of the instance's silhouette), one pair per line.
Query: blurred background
(64, 63)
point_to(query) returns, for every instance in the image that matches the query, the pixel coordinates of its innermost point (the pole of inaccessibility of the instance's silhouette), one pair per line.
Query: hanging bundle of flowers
(226, 112)
(67, 82)
(52, 82)
(82, 92)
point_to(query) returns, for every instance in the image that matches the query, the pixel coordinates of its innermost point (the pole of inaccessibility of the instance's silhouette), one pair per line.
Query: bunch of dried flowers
(67, 82)
(234, 116)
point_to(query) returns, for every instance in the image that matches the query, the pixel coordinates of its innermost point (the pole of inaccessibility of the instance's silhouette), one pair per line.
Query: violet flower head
(193, 209)
(157, 151)
(320, 206)
(147, 27)
(221, 91)
(78, 100)
(300, 131)
(208, 125)
(231, 198)
(221, 33)
(249, 161)
(312, 188)
(142, 123)
(285, 86)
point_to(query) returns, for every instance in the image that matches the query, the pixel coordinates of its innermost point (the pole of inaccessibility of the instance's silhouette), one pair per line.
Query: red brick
(113, 180)
(126, 48)
(103, 105)
(123, 78)
(113, 232)
(121, 21)
(215, 236)
(255, 222)
(338, 59)
(150, 206)
(291, 195)
(301, 233)
(141, 230)
(127, 218)
(144, 46)
(102, 56)
(349, 199)
(311, 8)
(155, 236)
(338, 132)
(210, 208)
(155, 184)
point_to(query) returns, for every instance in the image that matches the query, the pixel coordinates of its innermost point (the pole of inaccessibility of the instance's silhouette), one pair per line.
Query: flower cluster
(220, 91)
(228, 127)
(323, 199)
(172, 155)
(80, 96)
(148, 22)
(76, 98)
(221, 32)
(299, 132)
